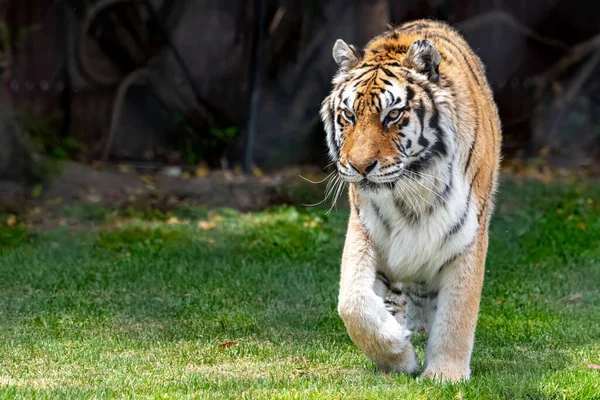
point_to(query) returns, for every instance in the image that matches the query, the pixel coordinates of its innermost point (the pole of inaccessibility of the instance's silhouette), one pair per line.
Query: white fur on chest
(415, 250)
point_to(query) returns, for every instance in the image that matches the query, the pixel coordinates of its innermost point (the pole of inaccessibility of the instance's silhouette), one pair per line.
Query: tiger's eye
(349, 115)
(393, 114)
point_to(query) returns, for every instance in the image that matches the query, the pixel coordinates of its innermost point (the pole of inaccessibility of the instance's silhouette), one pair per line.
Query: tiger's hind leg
(393, 297)
(413, 305)
(420, 308)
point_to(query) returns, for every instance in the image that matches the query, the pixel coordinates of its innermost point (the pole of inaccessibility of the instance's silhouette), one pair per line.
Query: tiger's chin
(370, 186)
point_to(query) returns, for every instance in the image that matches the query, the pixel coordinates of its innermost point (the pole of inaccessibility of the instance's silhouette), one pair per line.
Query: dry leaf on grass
(594, 366)
(228, 344)
(124, 168)
(572, 298)
(11, 220)
(257, 171)
(206, 225)
(55, 201)
(201, 171)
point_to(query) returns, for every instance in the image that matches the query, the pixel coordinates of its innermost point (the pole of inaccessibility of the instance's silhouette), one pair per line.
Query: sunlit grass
(244, 306)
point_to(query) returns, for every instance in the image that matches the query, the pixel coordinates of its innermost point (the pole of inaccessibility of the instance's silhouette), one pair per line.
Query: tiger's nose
(364, 167)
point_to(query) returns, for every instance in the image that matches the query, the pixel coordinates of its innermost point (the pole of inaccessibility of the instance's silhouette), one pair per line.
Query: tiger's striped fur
(412, 127)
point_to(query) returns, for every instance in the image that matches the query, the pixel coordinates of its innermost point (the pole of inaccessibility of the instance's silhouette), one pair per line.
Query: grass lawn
(244, 306)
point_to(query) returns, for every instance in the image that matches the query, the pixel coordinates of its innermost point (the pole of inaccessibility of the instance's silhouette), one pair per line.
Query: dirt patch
(118, 187)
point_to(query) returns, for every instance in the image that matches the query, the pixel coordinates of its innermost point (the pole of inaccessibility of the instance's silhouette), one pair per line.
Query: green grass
(146, 307)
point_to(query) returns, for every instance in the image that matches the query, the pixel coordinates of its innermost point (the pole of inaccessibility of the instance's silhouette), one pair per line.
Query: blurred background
(198, 88)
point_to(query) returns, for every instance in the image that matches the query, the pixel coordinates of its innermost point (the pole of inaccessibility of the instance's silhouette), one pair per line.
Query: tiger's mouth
(382, 181)
(376, 178)
(368, 185)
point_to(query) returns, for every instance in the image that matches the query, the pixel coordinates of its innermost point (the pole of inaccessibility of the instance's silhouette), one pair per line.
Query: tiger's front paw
(446, 372)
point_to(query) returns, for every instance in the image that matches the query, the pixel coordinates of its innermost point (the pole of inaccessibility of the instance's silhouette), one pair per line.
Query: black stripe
(384, 279)
(405, 121)
(418, 302)
(453, 257)
(481, 212)
(393, 64)
(445, 194)
(439, 148)
(357, 210)
(376, 102)
(389, 73)
(385, 81)
(331, 135)
(457, 226)
(410, 94)
(461, 221)
(411, 26)
(472, 144)
(425, 87)
(368, 68)
(405, 210)
(396, 291)
(450, 261)
(421, 115)
(425, 294)
(416, 166)
(453, 45)
(381, 217)
(446, 82)
(388, 173)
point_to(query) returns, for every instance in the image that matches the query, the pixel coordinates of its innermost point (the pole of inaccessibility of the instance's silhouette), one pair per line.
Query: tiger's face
(386, 116)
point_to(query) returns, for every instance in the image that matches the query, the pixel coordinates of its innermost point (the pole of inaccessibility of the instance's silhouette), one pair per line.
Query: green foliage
(16, 38)
(43, 133)
(139, 238)
(244, 306)
(88, 212)
(12, 236)
(198, 144)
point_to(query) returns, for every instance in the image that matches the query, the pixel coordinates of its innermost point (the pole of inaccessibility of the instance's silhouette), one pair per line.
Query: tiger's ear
(345, 56)
(423, 57)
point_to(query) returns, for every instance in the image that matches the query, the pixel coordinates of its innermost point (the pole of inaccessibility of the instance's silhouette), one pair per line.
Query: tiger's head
(387, 114)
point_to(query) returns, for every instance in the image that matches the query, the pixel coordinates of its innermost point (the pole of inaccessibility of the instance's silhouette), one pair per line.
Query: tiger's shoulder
(461, 73)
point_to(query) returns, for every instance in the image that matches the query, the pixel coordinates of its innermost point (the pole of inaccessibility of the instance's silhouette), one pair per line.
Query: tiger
(413, 130)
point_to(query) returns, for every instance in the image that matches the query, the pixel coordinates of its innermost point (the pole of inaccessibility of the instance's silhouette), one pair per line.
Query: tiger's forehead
(375, 92)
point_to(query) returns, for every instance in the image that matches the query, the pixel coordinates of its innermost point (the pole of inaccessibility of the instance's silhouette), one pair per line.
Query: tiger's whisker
(418, 192)
(328, 189)
(339, 188)
(429, 190)
(317, 182)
